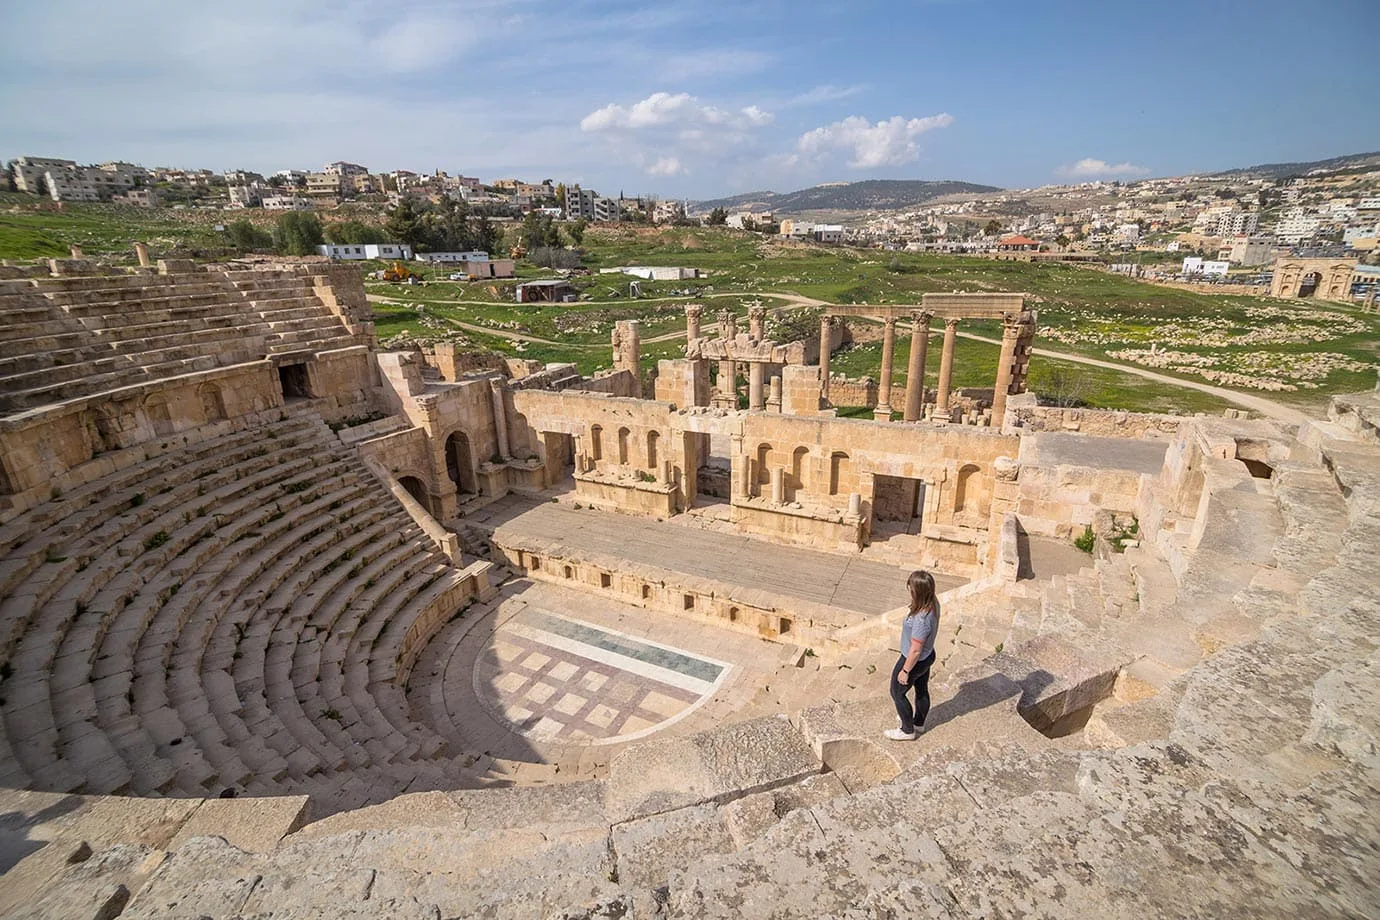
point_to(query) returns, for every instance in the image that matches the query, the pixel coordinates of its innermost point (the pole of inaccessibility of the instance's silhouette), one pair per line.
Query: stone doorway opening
(560, 457)
(1309, 285)
(460, 464)
(294, 382)
(898, 507)
(713, 471)
(416, 489)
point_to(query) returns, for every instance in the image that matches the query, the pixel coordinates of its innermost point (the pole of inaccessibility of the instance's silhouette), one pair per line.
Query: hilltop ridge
(869, 194)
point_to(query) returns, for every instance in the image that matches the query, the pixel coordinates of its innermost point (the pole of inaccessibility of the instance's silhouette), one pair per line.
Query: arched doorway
(414, 487)
(652, 459)
(1308, 285)
(460, 463)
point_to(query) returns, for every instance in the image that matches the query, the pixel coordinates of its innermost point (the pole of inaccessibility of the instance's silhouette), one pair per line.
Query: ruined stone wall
(846, 392)
(684, 382)
(1059, 501)
(344, 383)
(1101, 423)
(614, 383)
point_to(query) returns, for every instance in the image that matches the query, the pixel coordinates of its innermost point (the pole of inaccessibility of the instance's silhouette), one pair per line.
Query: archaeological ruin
(292, 625)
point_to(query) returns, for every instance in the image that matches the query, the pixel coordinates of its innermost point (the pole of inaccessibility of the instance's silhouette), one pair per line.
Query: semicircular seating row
(229, 615)
(70, 337)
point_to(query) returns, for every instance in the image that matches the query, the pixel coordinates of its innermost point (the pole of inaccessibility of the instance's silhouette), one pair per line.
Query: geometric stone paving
(558, 679)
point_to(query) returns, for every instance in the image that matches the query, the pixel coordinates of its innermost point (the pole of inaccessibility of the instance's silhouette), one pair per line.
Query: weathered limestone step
(713, 766)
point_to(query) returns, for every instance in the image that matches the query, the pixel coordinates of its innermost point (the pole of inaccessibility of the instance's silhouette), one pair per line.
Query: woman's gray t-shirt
(923, 626)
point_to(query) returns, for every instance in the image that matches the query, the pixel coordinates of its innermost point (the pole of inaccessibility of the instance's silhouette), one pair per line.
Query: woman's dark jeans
(920, 680)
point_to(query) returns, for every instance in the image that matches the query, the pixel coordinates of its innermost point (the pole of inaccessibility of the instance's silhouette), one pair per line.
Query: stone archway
(417, 489)
(1321, 279)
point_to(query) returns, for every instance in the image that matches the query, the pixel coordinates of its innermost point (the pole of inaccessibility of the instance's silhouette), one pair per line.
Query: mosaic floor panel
(562, 680)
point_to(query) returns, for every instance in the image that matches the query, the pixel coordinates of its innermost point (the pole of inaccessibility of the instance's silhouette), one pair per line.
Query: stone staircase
(1237, 783)
(69, 337)
(225, 618)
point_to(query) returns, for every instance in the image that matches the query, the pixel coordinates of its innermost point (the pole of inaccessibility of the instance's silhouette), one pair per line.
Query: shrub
(1086, 540)
(156, 540)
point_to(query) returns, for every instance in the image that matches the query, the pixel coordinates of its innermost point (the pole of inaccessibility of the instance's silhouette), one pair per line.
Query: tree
(488, 236)
(1062, 241)
(354, 233)
(246, 237)
(1056, 385)
(993, 227)
(298, 234)
(718, 217)
(538, 230)
(404, 225)
(560, 195)
(576, 231)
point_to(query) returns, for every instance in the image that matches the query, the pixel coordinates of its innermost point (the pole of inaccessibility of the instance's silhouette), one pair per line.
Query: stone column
(774, 394)
(915, 372)
(757, 323)
(627, 352)
(731, 336)
(757, 399)
(778, 486)
(826, 345)
(500, 417)
(142, 251)
(883, 410)
(946, 369)
(693, 312)
(76, 251)
(740, 467)
(1010, 332)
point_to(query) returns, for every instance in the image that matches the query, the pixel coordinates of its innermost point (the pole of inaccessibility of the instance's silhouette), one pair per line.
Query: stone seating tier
(226, 616)
(65, 338)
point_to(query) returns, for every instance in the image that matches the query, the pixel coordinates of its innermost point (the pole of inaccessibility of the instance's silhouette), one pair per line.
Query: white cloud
(680, 110)
(887, 143)
(821, 94)
(673, 134)
(1089, 168)
(666, 166)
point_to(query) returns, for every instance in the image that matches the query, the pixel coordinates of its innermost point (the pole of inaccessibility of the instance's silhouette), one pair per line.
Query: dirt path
(1266, 407)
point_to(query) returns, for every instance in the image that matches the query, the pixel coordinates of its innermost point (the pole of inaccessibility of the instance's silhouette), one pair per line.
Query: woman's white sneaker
(895, 734)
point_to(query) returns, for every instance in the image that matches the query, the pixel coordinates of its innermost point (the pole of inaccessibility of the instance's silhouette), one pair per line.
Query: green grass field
(1301, 351)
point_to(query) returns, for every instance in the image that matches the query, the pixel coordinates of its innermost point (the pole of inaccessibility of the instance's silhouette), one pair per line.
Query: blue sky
(695, 99)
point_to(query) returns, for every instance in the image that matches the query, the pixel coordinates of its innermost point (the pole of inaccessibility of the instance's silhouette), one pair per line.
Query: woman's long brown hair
(921, 585)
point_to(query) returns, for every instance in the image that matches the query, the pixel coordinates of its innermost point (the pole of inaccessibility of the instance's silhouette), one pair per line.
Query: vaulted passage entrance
(897, 507)
(460, 463)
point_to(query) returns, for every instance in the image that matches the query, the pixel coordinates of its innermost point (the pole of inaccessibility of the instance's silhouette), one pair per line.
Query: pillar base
(882, 413)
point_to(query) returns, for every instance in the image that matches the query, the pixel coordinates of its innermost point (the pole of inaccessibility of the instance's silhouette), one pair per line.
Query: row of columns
(915, 371)
(728, 369)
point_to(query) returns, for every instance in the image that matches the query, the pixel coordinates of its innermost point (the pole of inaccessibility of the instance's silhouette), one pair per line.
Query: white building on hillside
(353, 251)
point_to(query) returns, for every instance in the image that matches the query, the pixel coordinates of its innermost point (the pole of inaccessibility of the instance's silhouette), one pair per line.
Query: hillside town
(1227, 228)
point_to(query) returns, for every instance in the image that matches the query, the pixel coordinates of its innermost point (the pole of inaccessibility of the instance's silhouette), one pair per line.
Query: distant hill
(1280, 170)
(868, 195)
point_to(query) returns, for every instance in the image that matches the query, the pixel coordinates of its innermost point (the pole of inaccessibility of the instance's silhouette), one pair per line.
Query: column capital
(726, 322)
(922, 317)
(694, 310)
(828, 319)
(756, 314)
(950, 322)
(890, 323)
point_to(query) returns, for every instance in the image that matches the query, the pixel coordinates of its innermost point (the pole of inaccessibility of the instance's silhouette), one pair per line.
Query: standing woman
(918, 632)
